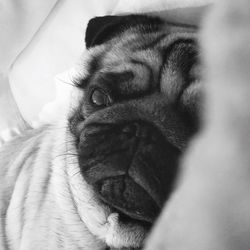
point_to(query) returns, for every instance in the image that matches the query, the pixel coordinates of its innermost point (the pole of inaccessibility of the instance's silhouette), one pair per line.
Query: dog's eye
(100, 98)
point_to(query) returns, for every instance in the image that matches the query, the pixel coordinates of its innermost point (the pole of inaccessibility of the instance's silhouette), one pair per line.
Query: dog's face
(138, 111)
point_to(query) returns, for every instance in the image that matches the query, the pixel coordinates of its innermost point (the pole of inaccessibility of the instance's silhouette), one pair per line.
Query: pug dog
(99, 177)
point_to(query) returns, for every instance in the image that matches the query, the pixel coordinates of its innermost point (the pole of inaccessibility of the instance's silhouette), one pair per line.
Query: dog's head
(138, 111)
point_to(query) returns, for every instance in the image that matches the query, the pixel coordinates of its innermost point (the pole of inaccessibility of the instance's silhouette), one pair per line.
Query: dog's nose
(136, 130)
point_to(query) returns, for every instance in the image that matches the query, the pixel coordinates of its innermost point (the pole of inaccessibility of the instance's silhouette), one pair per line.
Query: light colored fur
(211, 208)
(45, 202)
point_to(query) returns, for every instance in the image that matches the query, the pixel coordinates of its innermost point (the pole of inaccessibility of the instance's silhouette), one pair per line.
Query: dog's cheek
(74, 122)
(191, 104)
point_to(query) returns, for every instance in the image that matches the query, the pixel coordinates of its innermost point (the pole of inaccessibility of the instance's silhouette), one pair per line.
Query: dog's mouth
(128, 198)
(136, 178)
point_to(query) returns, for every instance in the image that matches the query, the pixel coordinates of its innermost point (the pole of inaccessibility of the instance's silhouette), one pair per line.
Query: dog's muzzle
(131, 167)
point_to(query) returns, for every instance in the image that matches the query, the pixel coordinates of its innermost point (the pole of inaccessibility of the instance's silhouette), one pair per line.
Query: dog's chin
(124, 232)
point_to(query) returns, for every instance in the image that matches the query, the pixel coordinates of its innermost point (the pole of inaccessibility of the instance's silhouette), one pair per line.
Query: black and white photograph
(124, 125)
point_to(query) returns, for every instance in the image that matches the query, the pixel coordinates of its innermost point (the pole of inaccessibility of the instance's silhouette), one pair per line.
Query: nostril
(130, 129)
(136, 130)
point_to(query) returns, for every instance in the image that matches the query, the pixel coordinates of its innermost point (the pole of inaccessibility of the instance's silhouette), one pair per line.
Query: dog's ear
(104, 28)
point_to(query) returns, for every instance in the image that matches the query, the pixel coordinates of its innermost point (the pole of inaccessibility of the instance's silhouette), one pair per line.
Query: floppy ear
(104, 28)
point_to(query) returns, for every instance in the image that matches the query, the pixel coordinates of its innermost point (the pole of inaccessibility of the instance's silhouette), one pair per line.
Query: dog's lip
(139, 211)
(125, 218)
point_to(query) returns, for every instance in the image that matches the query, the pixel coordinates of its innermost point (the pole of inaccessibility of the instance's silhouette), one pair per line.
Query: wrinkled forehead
(131, 62)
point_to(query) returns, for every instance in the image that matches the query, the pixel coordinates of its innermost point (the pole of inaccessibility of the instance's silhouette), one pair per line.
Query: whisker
(78, 172)
(66, 154)
(71, 84)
